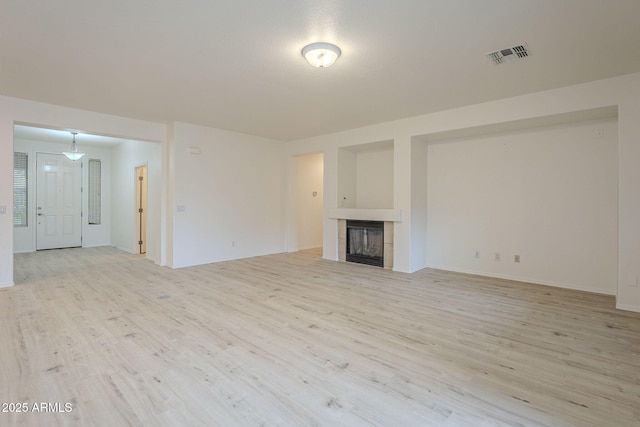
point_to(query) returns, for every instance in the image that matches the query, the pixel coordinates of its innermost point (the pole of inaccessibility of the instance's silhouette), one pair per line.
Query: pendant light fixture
(73, 154)
(321, 55)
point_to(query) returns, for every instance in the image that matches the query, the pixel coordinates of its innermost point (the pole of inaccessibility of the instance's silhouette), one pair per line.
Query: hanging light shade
(321, 55)
(73, 154)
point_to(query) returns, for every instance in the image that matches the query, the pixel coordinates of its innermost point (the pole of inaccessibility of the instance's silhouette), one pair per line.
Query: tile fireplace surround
(389, 216)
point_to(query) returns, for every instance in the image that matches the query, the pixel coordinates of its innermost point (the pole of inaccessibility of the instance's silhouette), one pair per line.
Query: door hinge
(140, 178)
(140, 242)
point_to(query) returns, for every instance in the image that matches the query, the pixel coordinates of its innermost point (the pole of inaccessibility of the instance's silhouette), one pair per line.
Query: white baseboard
(572, 286)
(627, 308)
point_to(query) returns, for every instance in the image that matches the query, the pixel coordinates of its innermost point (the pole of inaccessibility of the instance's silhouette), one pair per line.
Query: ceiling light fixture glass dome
(321, 55)
(73, 154)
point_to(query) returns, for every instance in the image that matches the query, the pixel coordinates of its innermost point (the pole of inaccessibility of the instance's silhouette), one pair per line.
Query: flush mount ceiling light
(321, 55)
(73, 154)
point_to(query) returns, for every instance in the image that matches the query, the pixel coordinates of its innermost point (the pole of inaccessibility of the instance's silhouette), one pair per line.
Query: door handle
(39, 214)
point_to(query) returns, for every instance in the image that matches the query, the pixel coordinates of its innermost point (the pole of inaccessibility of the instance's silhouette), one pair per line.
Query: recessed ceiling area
(237, 65)
(63, 136)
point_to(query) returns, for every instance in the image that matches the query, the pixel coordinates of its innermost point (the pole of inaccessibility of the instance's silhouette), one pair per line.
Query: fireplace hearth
(365, 242)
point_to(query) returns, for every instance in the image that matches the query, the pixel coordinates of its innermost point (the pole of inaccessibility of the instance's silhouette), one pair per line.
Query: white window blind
(95, 195)
(20, 199)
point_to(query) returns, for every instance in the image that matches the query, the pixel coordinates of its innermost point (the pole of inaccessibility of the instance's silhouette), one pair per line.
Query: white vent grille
(509, 54)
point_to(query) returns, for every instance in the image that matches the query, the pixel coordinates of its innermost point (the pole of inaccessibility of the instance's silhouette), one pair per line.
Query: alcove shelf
(365, 176)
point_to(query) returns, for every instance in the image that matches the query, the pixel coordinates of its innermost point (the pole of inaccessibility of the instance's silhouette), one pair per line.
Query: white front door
(59, 202)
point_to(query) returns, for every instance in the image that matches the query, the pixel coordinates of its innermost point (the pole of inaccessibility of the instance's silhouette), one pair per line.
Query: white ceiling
(237, 65)
(63, 136)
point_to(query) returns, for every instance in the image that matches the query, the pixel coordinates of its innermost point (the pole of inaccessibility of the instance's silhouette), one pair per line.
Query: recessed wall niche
(365, 176)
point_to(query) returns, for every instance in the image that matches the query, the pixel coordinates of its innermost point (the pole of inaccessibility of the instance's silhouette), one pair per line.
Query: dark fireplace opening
(365, 242)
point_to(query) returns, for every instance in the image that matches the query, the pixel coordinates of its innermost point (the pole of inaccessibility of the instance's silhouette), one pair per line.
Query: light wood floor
(294, 340)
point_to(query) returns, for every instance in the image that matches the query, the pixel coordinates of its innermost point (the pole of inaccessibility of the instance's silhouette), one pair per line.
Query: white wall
(546, 194)
(620, 93)
(306, 177)
(374, 188)
(347, 178)
(229, 196)
(419, 204)
(365, 177)
(24, 238)
(126, 157)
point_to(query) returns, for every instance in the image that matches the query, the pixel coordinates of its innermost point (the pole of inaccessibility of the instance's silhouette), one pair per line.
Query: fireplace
(365, 242)
(387, 217)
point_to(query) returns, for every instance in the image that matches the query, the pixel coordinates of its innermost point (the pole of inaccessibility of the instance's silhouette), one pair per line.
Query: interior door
(59, 202)
(141, 207)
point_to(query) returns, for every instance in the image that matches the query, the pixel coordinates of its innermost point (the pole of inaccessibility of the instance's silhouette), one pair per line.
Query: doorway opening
(141, 207)
(307, 179)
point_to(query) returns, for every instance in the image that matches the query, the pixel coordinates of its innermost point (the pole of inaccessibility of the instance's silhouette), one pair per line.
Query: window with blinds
(20, 181)
(95, 194)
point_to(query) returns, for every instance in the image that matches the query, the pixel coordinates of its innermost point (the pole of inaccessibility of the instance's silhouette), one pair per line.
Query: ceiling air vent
(509, 54)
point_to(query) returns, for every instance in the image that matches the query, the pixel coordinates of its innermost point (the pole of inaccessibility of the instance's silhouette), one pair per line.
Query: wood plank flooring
(294, 340)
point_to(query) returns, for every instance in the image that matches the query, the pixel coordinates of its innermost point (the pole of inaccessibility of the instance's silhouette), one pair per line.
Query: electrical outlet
(477, 254)
(516, 258)
(497, 256)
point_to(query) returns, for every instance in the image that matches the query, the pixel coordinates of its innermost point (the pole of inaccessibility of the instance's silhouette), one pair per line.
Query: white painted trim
(628, 308)
(392, 215)
(571, 286)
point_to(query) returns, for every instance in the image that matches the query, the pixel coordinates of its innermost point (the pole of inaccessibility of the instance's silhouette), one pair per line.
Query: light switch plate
(3, 209)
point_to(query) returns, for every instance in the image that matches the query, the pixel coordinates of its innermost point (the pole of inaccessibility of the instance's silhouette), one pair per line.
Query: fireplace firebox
(365, 242)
